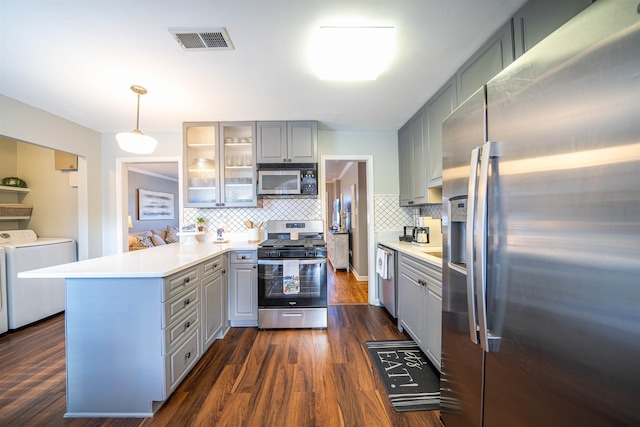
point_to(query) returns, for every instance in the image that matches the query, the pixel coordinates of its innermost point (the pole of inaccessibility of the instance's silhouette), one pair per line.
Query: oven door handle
(302, 261)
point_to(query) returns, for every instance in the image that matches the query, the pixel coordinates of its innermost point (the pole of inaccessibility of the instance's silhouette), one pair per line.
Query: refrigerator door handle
(471, 214)
(488, 342)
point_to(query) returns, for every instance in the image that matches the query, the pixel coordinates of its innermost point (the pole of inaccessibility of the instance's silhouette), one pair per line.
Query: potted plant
(200, 221)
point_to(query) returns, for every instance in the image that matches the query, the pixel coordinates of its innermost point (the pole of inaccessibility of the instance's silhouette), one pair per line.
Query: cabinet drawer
(212, 266)
(178, 282)
(179, 362)
(243, 257)
(179, 305)
(423, 269)
(181, 328)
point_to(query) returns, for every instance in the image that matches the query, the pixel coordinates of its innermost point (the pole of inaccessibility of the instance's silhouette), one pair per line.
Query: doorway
(170, 167)
(358, 192)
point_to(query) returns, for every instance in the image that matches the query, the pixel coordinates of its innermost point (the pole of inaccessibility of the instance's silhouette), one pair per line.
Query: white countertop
(420, 252)
(159, 261)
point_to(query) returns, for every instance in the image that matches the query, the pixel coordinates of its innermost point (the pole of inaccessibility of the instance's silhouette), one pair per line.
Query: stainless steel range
(292, 276)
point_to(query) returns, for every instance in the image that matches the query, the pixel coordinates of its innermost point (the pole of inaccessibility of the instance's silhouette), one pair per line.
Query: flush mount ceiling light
(352, 53)
(135, 141)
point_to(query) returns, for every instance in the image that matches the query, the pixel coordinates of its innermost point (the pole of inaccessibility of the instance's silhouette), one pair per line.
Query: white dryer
(30, 300)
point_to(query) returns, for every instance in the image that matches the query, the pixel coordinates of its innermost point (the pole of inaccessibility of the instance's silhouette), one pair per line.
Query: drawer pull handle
(243, 257)
(188, 355)
(187, 301)
(186, 280)
(255, 266)
(215, 265)
(186, 325)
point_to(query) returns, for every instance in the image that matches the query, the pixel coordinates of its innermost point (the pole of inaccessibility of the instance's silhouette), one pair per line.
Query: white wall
(153, 183)
(29, 124)
(383, 146)
(55, 202)
(169, 145)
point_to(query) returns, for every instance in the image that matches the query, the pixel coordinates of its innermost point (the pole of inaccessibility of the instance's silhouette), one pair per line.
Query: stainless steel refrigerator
(541, 271)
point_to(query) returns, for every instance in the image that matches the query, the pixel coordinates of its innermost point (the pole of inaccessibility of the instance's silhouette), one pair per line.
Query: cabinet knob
(215, 265)
(284, 160)
(188, 355)
(187, 301)
(255, 266)
(186, 325)
(224, 271)
(186, 280)
(243, 257)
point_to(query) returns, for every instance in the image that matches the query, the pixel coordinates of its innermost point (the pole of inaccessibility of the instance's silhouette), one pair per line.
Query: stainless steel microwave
(292, 179)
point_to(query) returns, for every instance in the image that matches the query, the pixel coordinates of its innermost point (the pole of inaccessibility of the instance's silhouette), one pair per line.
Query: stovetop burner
(287, 243)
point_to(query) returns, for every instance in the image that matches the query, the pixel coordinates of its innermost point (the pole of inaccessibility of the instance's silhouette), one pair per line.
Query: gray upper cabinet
(287, 142)
(419, 154)
(539, 18)
(404, 160)
(271, 141)
(415, 157)
(438, 108)
(486, 63)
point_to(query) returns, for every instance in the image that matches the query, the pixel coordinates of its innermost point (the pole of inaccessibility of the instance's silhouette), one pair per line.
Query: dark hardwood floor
(343, 288)
(249, 378)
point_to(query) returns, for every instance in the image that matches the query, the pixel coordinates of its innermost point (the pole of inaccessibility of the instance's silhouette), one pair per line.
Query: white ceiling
(77, 59)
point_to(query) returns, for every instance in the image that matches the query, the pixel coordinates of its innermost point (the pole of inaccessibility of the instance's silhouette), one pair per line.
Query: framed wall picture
(154, 205)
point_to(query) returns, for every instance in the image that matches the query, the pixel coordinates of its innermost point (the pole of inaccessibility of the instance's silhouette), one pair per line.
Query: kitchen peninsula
(136, 324)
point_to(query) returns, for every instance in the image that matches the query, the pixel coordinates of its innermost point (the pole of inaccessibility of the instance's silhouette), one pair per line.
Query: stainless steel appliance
(292, 276)
(288, 179)
(407, 233)
(387, 287)
(421, 235)
(541, 287)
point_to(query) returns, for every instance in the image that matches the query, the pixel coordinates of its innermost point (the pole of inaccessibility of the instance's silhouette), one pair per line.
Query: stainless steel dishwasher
(387, 288)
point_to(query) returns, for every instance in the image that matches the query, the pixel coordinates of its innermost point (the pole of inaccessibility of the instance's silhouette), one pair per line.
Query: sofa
(150, 238)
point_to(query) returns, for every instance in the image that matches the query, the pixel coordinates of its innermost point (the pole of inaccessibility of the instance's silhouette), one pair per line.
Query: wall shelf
(13, 189)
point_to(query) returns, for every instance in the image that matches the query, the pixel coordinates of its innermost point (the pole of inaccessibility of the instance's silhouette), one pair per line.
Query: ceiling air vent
(202, 38)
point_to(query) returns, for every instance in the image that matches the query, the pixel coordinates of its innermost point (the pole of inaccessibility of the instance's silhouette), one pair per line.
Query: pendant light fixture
(135, 141)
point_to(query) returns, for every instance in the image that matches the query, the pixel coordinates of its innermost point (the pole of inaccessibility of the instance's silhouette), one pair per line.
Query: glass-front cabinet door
(239, 177)
(219, 164)
(201, 164)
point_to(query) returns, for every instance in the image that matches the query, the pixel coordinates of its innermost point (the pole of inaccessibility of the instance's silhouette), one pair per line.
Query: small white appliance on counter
(30, 300)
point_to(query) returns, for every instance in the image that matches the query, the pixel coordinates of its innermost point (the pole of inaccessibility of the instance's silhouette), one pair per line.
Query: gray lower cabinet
(130, 341)
(214, 300)
(420, 304)
(243, 288)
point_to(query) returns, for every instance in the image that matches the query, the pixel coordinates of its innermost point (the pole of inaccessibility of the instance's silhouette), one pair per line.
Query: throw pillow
(145, 239)
(157, 240)
(172, 235)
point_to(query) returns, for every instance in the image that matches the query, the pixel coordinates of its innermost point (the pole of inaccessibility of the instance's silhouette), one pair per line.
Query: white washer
(30, 300)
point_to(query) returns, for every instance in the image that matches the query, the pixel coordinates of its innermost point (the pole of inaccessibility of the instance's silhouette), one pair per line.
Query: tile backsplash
(389, 216)
(234, 218)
